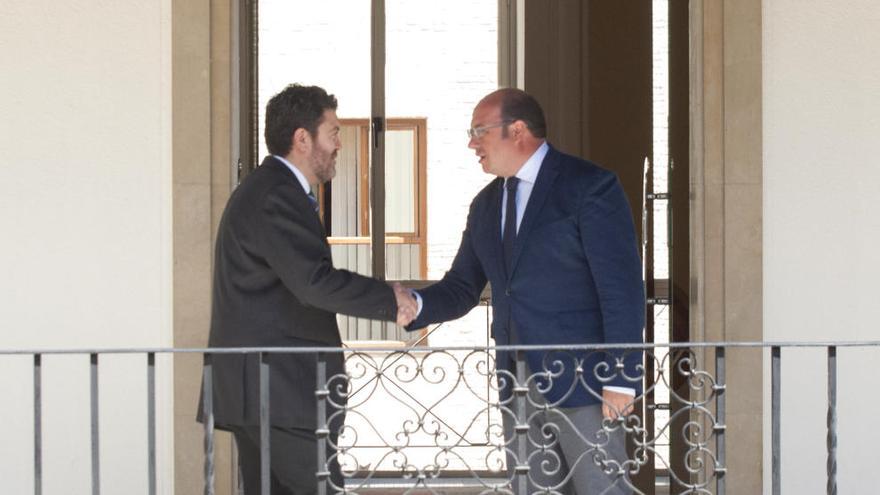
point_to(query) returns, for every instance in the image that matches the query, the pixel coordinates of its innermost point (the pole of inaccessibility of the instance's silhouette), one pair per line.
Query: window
(345, 207)
(435, 64)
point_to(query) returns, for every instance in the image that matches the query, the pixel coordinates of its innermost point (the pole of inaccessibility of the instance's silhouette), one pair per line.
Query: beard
(324, 164)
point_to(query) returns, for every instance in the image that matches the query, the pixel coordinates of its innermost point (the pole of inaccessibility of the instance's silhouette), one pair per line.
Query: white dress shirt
(527, 175)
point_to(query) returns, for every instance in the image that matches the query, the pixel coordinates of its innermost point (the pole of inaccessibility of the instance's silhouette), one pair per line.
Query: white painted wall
(85, 216)
(821, 131)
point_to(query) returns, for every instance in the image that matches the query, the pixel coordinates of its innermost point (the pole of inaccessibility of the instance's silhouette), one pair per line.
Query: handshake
(407, 306)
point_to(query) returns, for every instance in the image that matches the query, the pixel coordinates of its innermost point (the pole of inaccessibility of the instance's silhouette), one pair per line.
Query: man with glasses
(554, 236)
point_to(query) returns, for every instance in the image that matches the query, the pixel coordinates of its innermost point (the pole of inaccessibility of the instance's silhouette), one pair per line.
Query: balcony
(451, 419)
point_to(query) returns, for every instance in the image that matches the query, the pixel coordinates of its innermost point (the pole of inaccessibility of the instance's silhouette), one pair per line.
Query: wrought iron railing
(422, 415)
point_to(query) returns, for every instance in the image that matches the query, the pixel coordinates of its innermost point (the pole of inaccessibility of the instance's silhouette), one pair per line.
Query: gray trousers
(569, 450)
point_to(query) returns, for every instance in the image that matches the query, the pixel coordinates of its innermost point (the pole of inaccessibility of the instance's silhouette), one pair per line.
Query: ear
(518, 129)
(302, 140)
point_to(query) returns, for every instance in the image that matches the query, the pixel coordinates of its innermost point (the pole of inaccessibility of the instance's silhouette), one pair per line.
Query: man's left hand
(616, 403)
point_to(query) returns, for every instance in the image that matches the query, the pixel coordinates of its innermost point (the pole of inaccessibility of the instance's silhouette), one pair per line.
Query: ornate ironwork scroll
(427, 415)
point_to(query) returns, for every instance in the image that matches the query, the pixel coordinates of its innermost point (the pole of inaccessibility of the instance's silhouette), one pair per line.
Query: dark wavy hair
(295, 107)
(516, 104)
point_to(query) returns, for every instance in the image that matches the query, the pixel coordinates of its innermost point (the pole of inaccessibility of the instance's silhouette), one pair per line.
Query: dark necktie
(509, 233)
(313, 201)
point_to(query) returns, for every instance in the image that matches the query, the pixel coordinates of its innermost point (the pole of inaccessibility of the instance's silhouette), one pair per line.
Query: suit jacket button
(507, 291)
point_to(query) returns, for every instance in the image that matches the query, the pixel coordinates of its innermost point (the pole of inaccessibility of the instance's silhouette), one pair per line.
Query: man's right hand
(407, 307)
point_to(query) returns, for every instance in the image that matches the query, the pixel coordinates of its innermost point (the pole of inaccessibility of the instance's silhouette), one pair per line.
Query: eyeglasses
(480, 131)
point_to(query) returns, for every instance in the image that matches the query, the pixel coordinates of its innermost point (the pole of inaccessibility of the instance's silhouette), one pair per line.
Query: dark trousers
(293, 460)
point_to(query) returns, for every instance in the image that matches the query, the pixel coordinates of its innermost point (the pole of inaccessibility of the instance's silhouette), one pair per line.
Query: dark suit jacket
(275, 286)
(576, 275)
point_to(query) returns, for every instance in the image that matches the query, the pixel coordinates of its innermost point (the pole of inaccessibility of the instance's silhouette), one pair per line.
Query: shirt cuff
(620, 390)
(419, 302)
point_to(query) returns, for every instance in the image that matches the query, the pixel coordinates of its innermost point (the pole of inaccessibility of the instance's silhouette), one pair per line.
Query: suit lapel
(494, 224)
(301, 196)
(540, 192)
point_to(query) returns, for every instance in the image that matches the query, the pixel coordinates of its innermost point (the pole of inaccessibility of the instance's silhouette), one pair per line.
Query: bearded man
(275, 286)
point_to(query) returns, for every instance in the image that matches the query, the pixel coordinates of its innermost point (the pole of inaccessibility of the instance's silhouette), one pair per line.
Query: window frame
(420, 201)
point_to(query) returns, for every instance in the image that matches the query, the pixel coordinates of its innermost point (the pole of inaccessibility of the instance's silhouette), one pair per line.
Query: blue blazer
(576, 278)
